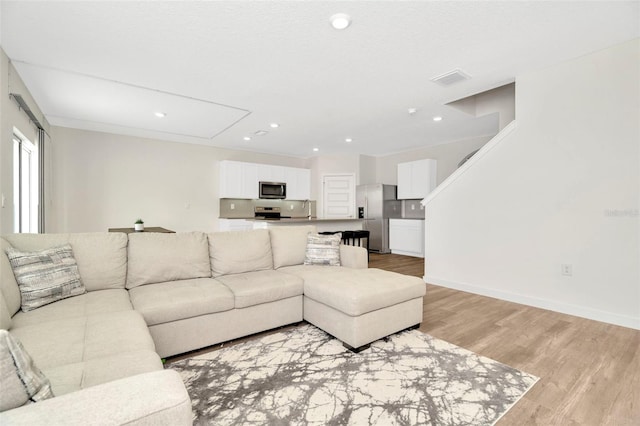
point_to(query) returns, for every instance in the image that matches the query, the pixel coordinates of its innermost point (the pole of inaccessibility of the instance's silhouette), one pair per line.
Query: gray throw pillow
(45, 276)
(323, 249)
(22, 382)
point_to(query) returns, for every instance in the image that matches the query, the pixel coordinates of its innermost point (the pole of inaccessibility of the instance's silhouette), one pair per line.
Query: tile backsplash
(412, 209)
(235, 208)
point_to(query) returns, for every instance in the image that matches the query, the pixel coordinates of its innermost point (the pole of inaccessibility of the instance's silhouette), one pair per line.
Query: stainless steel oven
(273, 190)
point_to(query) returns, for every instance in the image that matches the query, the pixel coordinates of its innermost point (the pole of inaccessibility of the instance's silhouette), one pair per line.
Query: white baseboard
(408, 253)
(565, 308)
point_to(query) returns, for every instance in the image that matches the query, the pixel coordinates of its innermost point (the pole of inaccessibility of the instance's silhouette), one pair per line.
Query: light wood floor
(589, 371)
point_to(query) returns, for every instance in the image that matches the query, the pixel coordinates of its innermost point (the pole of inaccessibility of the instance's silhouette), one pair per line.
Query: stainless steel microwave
(273, 190)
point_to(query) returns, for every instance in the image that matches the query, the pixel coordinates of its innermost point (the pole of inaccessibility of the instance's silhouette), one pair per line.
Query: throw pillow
(45, 276)
(22, 382)
(323, 249)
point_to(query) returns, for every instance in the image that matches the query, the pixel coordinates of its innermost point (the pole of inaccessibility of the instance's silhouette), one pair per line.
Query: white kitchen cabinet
(269, 173)
(238, 180)
(416, 179)
(298, 183)
(406, 236)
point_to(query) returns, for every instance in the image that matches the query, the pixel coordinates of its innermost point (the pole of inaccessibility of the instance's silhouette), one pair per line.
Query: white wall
(501, 100)
(367, 170)
(106, 181)
(544, 196)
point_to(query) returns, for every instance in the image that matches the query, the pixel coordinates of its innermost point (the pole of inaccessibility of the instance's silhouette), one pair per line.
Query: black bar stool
(357, 235)
(347, 237)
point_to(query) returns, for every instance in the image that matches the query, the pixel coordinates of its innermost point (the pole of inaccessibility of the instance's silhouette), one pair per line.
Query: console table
(146, 229)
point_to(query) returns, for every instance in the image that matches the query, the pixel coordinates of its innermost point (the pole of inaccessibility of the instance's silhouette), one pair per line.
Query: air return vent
(452, 77)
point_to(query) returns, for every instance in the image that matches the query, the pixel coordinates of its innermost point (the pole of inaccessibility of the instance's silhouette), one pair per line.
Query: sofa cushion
(158, 257)
(357, 291)
(8, 284)
(79, 375)
(101, 256)
(94, 302)
(323, 249)
(288, 244)
(157, 398)
(5, 316)
(45, 276)
(71, 340)
(176, 300)
(241, 251)
(254, 288)
(22, 382)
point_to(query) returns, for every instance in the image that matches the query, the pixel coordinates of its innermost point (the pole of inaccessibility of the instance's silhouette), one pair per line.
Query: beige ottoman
(359, 306)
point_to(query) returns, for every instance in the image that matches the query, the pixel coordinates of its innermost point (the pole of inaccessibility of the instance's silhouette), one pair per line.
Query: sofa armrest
(353, 257)
(157, 398)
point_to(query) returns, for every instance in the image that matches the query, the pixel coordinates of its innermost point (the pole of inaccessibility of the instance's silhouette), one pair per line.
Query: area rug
(303, 376)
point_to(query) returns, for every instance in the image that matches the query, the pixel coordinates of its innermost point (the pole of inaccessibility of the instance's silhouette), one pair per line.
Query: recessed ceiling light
(274, 125)
(246, 138)
(348, 140)
(340, 21)
(437, 118)
(412, 111)
(160, 114)
(316, 149)
(260, 133)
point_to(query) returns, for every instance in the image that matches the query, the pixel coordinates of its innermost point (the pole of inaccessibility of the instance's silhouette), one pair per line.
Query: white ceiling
(222, 70)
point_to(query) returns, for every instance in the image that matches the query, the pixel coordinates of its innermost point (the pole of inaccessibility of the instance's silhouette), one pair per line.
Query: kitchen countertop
(293, 220)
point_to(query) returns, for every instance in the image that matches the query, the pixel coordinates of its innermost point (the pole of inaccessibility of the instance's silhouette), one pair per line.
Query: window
(26, 188)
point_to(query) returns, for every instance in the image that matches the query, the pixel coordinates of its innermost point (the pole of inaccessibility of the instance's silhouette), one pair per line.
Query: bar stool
(357, 235)
(347, 237)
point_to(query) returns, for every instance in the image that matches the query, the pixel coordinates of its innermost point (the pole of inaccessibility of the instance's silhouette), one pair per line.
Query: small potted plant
(139, 225)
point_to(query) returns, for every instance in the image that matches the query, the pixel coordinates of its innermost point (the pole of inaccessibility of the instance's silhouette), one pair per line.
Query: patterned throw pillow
(45, 276)
(22, 382)
(323, 249)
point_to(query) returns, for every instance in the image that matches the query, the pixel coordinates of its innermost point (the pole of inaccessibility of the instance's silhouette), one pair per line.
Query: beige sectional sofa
(94, 348)
(155, 295)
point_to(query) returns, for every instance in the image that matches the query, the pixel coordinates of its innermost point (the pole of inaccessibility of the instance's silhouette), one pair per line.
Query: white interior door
(339, 196)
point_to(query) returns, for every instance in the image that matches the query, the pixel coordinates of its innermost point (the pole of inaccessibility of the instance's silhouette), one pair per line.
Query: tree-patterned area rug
(303, 376)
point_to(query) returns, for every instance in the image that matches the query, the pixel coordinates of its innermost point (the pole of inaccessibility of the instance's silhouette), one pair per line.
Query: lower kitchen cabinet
(406, 236)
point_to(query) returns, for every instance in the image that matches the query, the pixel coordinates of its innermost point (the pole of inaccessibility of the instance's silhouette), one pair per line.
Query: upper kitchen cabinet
(268, 173)
(298, 183)
(416, 179)
(240, 180)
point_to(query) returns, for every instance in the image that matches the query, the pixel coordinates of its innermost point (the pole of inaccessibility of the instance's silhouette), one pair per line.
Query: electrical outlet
(413, 206)
(290, 206)
(567, 269)
(232, 206)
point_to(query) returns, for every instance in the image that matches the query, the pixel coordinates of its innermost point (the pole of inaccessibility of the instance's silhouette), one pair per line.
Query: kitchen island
(323, 225)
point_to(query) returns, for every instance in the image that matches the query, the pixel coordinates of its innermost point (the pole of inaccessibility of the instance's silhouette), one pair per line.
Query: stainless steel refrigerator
(376, 204)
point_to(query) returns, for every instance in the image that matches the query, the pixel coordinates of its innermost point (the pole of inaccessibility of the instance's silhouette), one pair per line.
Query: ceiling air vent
(452, 77)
